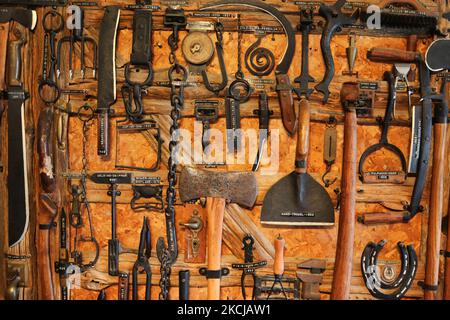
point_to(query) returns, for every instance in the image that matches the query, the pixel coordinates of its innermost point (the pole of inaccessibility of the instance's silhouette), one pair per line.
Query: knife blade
(106, 75)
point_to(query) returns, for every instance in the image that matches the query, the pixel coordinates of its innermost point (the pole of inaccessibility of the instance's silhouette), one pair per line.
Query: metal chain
(87, 123)
(177, 78)
(239, 73)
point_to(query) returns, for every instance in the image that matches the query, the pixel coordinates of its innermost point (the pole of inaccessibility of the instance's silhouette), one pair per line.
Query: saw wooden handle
(215, 209)
(344, 247)
(382, 217)
(278, 263)
(389, 55)
(301, 154)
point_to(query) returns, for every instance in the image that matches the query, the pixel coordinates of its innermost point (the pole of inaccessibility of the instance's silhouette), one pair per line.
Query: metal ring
(52, 85)
(240, 83)
(147, 81)
(84, 116)
(54, 14)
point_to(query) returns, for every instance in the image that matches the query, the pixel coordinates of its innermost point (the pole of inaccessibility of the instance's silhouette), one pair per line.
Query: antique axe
(217, 187)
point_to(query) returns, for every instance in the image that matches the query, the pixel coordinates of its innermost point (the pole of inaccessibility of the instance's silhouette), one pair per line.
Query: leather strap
(142, 38)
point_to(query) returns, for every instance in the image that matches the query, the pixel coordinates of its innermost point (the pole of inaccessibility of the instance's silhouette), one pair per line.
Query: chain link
(177, 77)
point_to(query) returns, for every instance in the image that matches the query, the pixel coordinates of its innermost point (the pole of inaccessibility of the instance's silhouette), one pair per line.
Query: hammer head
(236, 187)
(349, 92)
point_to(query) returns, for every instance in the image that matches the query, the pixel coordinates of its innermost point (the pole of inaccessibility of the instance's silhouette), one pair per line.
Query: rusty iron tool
(217, 187)
(335, 19)
(283, 88)
(248, 267)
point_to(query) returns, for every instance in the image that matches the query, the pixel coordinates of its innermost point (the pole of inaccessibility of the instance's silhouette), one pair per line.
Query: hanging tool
(18, 154)
(80, 201)
(175, 19)
(264, 114)
(183, 277)
(144, 253)
(310, 282)
(283, 88)
(238, 92)
(248, 267)
(436, 58)
(206, 112)
(218, 27)
(384, 176)
(278, 267)
(114, 247)
(26, 17)
(352, 52)
(440, 160)
(123, 286)
(48, 88)
(106, 75)
(298, 199)
(397, 287)
(62, 265)
(335, 19)
(217, 187)
(141, 58)
(421, 134)
(329, 149)
(340, 289)
(147, 192)
(195, 240)
(259, 61)
(77, 35)
(198, 50)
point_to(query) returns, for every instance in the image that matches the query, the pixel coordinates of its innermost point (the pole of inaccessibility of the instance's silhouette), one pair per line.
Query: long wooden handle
(447, 260)
(344, 247)
(389, 55)
(436, 207)
(301, 154)
(278, 263)
(215, 209)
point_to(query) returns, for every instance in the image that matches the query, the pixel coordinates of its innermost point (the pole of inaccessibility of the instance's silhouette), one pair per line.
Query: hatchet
(218, 188)
(26, 17)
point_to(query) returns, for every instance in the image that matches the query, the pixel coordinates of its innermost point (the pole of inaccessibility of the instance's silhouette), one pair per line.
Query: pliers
(142, 264)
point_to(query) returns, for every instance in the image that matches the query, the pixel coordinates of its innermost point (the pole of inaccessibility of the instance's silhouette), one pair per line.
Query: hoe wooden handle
(215, 208)
(278, 264)
(301, 155)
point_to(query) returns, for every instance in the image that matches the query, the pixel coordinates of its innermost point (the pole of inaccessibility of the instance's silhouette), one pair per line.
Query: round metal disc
(197, 48)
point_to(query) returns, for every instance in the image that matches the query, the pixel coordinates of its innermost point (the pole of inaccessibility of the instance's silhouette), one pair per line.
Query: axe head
(26, 17)
(236, 187)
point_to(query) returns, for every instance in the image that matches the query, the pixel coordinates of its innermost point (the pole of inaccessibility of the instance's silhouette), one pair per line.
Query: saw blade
(416, 131)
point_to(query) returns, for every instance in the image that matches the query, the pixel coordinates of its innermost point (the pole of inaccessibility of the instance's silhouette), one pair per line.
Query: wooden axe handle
(215, 208)
(389, 55)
